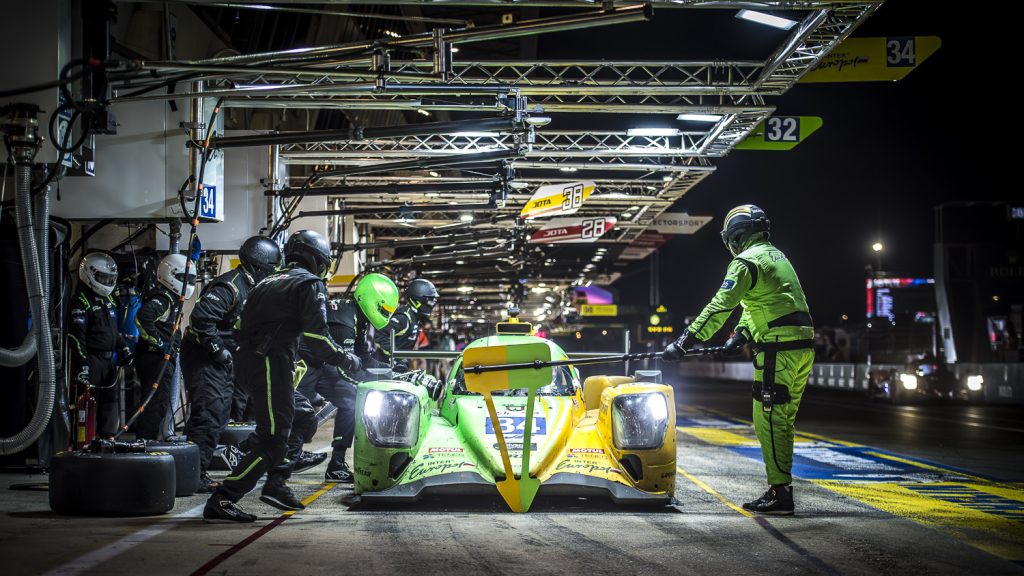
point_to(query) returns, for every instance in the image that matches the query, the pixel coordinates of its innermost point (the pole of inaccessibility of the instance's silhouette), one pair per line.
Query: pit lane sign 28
(572, 230)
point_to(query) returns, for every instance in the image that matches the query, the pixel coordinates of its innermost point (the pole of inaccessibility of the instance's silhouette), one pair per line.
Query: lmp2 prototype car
(612, 436)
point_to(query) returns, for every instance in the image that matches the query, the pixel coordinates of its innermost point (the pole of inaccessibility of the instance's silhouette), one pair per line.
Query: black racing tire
(236, 432)
(186, 464)
(135, 484)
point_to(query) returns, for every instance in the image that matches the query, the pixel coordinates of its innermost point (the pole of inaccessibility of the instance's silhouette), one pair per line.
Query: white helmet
(98, 271)
(171, 273)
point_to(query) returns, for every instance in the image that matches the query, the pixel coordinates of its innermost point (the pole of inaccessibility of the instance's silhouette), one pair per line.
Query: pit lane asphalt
(833, 533)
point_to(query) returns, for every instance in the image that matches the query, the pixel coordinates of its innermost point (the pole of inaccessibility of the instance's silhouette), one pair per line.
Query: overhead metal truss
(637, 177)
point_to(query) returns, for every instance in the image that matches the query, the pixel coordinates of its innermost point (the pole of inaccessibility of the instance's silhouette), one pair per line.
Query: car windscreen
(562, 384)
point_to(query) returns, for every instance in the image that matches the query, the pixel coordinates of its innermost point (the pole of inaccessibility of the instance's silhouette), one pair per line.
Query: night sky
(886, 155)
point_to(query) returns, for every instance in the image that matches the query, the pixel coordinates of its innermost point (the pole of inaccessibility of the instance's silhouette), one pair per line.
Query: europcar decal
(445, 450)
(586, 451)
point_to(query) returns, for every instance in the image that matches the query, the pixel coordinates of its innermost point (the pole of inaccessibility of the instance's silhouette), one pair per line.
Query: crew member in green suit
(776, 320)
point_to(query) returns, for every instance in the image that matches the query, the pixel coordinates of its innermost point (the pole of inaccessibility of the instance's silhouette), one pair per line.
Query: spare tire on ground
(236, 432)
(112, 484)
(186, 464)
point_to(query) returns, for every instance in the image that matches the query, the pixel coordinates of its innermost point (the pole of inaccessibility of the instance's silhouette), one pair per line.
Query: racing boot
(220, 510)
(337, 470)
(307, 460)
(207, 485)
(777, 501)
(279, 495)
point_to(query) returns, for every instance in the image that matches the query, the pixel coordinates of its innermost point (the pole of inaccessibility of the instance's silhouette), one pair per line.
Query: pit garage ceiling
(431, 124)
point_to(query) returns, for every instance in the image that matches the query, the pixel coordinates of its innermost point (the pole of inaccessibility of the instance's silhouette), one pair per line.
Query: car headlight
(909, 381)
(639, 421)
(974, 382)
(391, 418)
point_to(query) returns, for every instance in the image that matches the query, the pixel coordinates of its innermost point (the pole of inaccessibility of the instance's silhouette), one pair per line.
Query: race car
(612, 436)
(923, 381)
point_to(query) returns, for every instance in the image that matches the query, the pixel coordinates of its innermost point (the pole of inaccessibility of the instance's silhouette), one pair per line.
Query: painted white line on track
(96, 557)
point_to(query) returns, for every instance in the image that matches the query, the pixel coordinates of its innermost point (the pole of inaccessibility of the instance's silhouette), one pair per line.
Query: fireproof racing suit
(350, 329)
(284, 308)
(776, 319)
(406, 325)
(206, 354)
(155, 320)
(97, 349)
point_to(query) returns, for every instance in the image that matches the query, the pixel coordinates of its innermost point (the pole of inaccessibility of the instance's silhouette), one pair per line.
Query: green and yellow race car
(506, 423)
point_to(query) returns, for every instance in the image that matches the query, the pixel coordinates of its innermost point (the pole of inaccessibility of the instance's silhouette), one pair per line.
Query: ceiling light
(460, 262)
(627, 215)
(517, 185)
(602, 250)
(651, 188)
(652, 132)
(432, 194)
(538, 120)
(466, 218)
(455, 49)
(699, 117)
(766, 19)
(433, 174)
(567, 169)
(542, 285)
(422, 111)
(392, 33)
(465, 289)
(666, 178)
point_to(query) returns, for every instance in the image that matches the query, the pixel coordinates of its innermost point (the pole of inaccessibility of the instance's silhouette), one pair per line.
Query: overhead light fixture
(651, 188)
(542, 285)
(699, 117)
(432, 194)
(466, 218)
(460, 262)
(567, 169)
(602, 250)
(627, 215)
(422, 111)
(477, 134)
(538, 120)
(433, 174)
(392, 33)
(517, 184)
(465, 289)
(652, 132)
(766, 19)
(455, 49)
(666, 178)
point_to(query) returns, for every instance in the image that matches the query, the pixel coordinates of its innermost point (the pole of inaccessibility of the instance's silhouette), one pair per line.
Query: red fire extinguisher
(85, 429)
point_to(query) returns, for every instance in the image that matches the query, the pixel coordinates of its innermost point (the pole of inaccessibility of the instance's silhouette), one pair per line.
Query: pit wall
(1004, 383)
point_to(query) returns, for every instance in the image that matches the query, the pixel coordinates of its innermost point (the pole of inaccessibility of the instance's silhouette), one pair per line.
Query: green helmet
(377, 297)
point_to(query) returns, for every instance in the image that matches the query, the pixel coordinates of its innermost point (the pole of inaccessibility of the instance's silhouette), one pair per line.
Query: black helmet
(741, 224)
(421, 295)
(309, 250)
(259, 256)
